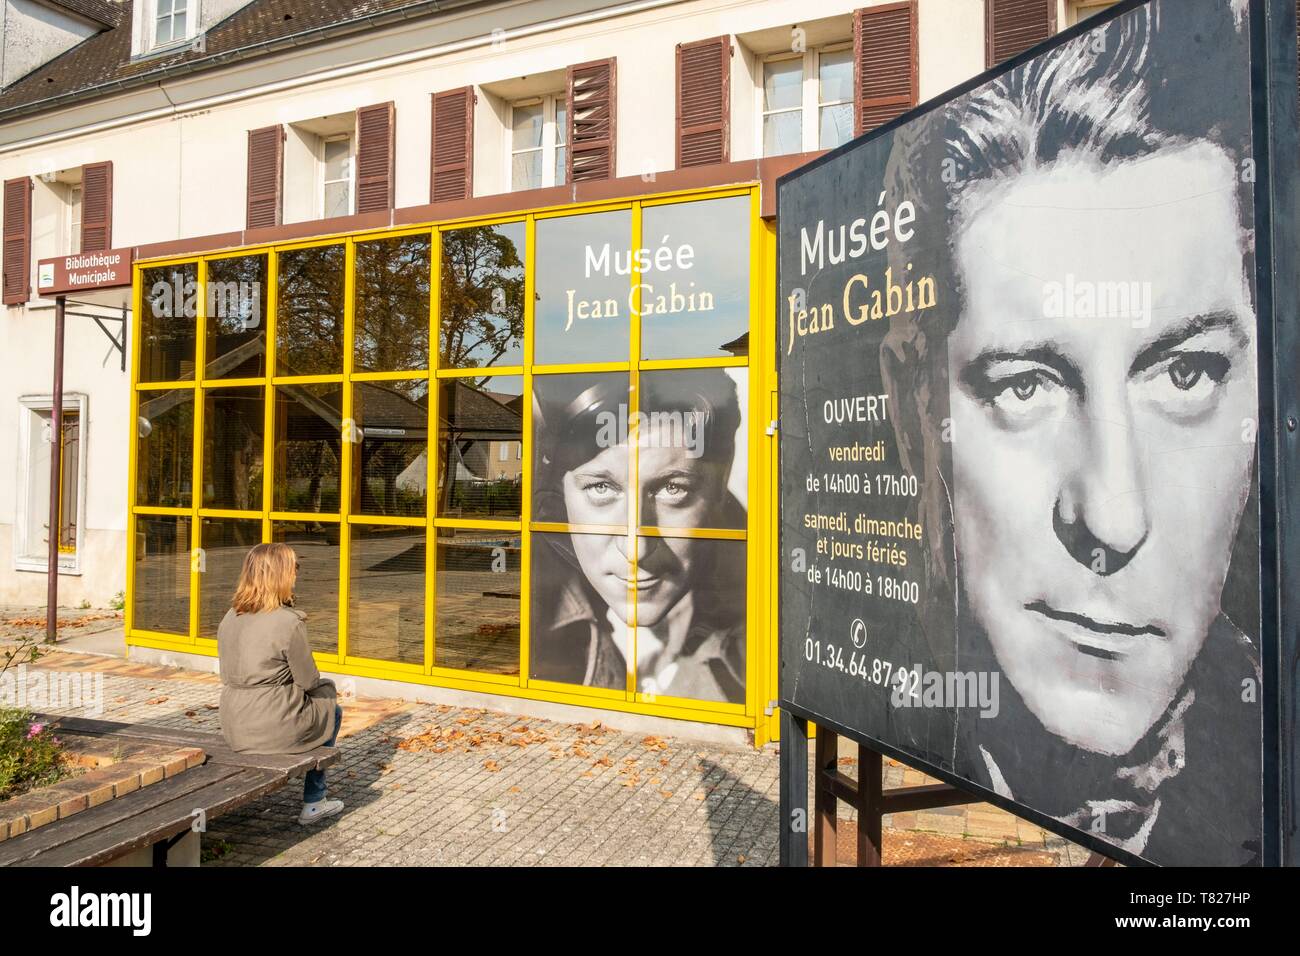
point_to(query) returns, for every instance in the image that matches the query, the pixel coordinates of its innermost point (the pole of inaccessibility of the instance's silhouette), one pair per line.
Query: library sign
(1020, 341)
(84, 272)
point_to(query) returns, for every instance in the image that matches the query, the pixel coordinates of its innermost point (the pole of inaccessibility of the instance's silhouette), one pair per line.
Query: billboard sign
(1021, 438)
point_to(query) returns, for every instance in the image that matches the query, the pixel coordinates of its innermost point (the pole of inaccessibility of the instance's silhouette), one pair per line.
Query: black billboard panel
(1020, 438)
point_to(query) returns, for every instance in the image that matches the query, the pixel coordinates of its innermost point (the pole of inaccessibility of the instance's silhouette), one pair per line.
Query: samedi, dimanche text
(861, 300)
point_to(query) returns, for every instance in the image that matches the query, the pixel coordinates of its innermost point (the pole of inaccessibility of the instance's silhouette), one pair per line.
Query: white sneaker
(311, 812)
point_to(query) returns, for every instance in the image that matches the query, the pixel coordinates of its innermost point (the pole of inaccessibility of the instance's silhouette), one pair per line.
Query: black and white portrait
(1078, 402)
(634, 570)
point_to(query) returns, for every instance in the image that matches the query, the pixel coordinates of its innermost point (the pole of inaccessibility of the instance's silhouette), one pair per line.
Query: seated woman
(678, 600)
(273, 699)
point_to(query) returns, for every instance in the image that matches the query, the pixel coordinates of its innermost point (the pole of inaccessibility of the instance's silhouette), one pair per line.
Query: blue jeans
(313, 788)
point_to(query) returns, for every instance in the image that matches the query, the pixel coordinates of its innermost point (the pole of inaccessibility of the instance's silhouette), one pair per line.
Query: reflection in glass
(317, 591)
(386, 594)
(161, 596)
(392, 304)
(583, 281)
(481, 310)
(480, 443)
(167, 322)
(688, 598)
(390, 464)
(692, 448)
(478, 601)
(782, 106)
(309, 312)
(225, 542)
(308, 448)
(703, 310)
(165, 448)
(236, 317)
(233, 426)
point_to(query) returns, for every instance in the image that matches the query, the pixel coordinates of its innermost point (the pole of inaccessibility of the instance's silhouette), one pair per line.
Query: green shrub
(30, 755)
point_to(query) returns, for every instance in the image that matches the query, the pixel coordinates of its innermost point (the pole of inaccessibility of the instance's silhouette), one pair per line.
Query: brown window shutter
(1012, 26)
(265, 176)
(17, 240)
(590, 101)
(452, 173)
(704, 102)
(96, 207)
(886, 66)
(375, 157)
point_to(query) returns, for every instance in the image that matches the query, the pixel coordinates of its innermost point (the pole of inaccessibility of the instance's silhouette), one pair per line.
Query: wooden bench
(163, 813)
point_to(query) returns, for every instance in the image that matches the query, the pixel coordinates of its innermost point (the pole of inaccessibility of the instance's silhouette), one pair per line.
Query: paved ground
(428, 784)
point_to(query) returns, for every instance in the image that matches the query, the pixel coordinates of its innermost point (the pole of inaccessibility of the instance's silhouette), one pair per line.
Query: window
(1080, 10)
(170, 22)
(74, 218)
(336, 176)
(537, 147)
(807, 101)
(32, 527)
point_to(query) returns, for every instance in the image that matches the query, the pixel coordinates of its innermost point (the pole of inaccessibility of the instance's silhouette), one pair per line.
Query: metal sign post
(56, 473)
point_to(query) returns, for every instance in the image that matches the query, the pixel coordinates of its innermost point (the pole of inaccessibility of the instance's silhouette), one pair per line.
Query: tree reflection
(482, 303)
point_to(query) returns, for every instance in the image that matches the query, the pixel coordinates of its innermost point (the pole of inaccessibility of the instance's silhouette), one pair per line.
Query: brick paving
(432, 784)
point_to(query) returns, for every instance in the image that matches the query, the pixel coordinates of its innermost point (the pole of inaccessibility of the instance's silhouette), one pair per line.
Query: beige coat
(273, 699)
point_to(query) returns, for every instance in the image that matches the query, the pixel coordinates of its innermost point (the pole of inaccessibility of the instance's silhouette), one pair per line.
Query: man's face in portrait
(679, 489)
(1103, 394)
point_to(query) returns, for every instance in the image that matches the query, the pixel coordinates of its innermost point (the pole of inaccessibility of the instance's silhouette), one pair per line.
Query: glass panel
(236, 318)
(317, 591)
(338, 155)
(338, 199)
(165, 7)
(561, 138)
(390, 464)
(699, 305)
(386, 594)
(526, 170)
(225, 542)
(165, 449)
(783, 84)
(70, 472)
(782, 133)
(162, 574)
(692, 448)
(690, 616)
(836, 125)
(478, 601)
(561, 122)
(233, 429)
(526, 127)
(392, 304)
(309, 320)
(835, 77)
(578, 618)
(580, 467)
(167, 323)
(163, 31)
(308, 440)
(477, 418)
(481, 323)
(583, 280)
(178, 26)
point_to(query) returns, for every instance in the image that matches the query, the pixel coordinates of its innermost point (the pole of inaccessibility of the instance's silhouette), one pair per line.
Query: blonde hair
(266, 579)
